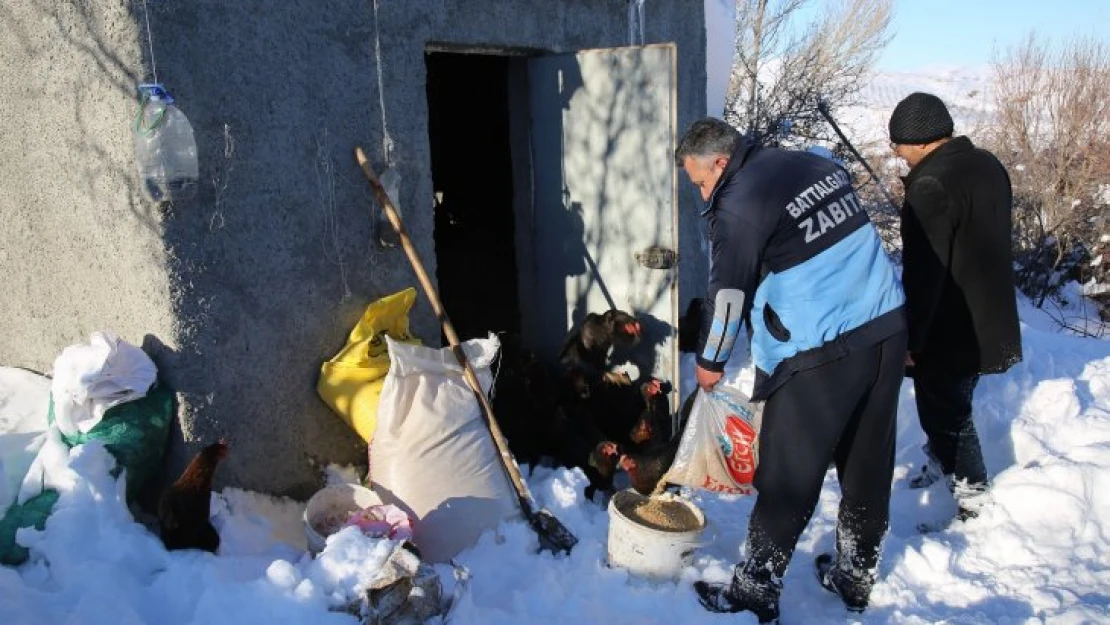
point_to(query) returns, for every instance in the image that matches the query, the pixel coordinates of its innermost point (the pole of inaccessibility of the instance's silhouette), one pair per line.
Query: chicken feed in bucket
(653, 536)
(328, 510)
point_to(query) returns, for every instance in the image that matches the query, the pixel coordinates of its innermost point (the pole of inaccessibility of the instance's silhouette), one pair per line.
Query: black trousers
(944, 409)
(844, 411)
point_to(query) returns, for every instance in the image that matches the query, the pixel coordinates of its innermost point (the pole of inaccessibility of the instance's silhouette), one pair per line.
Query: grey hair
(707, 137)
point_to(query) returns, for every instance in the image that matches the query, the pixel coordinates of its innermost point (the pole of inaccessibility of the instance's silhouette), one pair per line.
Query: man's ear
(721, 161)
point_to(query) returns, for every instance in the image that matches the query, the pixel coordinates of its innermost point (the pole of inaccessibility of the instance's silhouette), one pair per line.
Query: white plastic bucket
(333, 502)
(643, 550)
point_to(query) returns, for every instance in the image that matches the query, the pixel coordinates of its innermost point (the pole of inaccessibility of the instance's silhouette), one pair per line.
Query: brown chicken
(184, 508)
(649, 459)
(645, 467)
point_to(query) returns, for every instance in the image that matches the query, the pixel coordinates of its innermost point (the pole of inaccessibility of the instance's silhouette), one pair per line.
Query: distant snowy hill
(967, 91)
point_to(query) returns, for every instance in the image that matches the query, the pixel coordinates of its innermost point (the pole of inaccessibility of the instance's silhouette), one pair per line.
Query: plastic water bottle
(165, 149)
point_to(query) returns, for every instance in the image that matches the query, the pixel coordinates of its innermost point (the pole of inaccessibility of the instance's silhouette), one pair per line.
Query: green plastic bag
(135, 433)
(31, 513)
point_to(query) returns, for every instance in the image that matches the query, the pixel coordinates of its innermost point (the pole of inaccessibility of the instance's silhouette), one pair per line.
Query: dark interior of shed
(468, 126)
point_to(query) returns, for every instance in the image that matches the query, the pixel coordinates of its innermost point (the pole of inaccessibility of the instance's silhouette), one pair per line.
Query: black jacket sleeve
(929, 208)
(737, 240)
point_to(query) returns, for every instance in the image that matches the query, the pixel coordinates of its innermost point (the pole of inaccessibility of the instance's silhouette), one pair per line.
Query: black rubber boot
(852, 589)
(752, 591)
(930, 472)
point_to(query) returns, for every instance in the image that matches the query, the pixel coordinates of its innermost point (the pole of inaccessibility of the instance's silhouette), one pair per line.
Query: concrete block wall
(241, 292)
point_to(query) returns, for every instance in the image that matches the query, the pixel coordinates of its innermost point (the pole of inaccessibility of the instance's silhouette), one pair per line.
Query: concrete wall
(249, 286)
(79, 250)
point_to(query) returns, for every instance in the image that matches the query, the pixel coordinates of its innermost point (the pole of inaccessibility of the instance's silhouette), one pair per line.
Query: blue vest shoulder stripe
(836, 291)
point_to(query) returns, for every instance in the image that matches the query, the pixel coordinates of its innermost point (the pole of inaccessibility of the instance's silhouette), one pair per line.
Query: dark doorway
(472, 178)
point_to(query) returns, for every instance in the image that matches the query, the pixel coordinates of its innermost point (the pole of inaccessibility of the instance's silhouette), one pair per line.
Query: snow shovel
(553, 535)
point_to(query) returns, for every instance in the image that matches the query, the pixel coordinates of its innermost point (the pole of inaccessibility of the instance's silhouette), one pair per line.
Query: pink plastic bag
(384, 521)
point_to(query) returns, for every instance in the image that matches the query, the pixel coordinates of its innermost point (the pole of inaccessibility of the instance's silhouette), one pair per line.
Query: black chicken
(185, 506)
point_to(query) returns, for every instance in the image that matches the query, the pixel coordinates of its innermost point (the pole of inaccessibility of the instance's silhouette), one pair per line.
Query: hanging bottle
(165, 148)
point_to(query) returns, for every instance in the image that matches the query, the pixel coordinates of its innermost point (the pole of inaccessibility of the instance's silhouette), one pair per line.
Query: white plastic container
(329, 507)
(646, 551)
(165, 148)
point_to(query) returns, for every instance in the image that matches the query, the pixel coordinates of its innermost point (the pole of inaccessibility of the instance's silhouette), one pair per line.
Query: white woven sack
(432, 454)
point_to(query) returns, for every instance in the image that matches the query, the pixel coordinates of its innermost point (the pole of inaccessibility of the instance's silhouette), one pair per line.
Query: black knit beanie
(918, 119)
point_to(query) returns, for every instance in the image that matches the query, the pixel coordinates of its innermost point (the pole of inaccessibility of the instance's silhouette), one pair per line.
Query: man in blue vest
(794, 253)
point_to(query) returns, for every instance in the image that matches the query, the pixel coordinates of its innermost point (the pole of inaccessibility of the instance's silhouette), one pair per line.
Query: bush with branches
(783, 65)
(1052, 131)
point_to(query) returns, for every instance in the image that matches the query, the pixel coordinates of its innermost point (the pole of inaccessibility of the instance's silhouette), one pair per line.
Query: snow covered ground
(1038, 555)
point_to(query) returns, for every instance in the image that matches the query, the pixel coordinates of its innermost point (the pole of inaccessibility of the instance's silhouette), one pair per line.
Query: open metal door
(605, 218)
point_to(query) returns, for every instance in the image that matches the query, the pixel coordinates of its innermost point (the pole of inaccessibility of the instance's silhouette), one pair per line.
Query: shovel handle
(449, 331)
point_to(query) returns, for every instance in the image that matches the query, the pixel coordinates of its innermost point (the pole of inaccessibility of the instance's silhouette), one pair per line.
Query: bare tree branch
(783, 68)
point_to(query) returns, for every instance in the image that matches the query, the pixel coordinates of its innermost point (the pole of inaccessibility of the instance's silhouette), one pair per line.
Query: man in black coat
(959, 283)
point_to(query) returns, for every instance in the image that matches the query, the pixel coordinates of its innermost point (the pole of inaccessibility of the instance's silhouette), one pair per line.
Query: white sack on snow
(432, 454)
(49, 469)
(24, 401)
(90, 378)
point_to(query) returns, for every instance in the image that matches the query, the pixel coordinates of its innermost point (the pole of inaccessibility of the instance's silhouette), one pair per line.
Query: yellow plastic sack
(351, 382)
